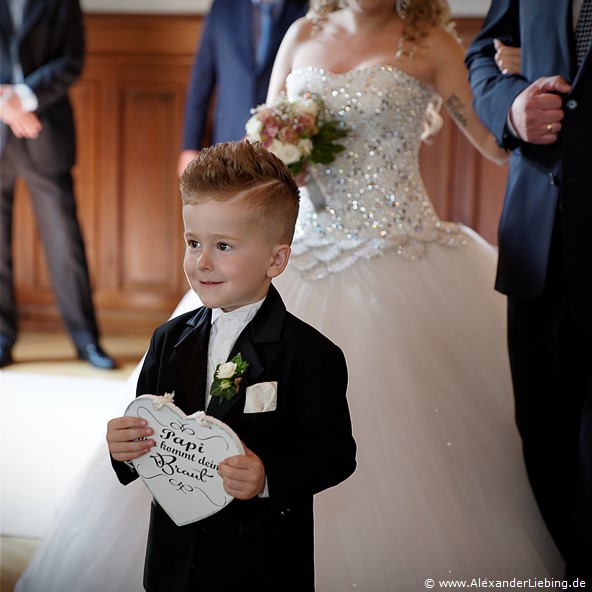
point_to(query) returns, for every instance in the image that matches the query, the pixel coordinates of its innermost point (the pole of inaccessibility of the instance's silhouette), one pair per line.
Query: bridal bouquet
(295, 131)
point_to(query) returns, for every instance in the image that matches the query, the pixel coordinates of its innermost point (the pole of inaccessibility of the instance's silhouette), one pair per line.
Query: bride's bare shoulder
(300, 30)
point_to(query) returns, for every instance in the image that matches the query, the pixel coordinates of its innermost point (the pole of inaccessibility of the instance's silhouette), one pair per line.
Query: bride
(440, 491)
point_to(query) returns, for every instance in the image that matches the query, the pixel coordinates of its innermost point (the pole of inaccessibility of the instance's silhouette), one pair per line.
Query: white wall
(459, 7)
(469, 7)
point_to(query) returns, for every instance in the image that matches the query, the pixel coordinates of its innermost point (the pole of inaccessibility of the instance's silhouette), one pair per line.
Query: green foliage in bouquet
(296, 131)
(325, 145)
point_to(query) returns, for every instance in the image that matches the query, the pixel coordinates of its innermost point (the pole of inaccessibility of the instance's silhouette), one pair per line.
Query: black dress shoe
(5, 355)
(95, 356)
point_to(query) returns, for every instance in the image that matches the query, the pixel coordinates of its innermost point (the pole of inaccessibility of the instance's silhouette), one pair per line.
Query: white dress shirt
(27, 97)
(226, 327)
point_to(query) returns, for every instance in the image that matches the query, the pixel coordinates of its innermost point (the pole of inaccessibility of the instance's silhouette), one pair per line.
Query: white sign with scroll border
(181, 469)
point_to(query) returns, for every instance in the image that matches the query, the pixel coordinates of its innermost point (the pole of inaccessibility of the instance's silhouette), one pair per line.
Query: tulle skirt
(440, 491)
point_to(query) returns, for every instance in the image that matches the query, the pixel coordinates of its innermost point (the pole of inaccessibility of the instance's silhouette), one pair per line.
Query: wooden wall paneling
(463, 184)
(490, 191)
(144, 63)
(108, 165)
(128, 107)
(151, 208)
(464, 174)
(435, 164)
(129, 114)
(85, 96)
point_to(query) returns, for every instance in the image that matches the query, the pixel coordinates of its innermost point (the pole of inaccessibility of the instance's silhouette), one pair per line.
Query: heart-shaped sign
(181, 469)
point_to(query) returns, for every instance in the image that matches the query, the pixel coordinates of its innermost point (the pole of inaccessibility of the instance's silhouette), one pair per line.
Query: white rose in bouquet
(305, 146)
(253, 128)
(306, 105)
(288, 153)
(296, 131)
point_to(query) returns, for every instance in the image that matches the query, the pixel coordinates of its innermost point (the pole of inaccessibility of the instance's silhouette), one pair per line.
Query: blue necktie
(264, 41)
(583, 33)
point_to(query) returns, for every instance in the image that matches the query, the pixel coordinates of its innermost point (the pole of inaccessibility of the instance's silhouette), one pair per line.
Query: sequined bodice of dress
(372, 198)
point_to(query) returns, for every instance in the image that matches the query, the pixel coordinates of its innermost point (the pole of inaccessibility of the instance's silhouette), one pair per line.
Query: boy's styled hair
(230, 169)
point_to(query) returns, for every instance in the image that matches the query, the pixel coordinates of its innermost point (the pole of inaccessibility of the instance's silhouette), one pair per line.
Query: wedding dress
(440, 491)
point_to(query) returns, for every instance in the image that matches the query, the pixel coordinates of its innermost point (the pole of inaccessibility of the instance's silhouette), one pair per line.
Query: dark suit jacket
(306, 445)
(225, 66)
(50, 47)
(539, 174)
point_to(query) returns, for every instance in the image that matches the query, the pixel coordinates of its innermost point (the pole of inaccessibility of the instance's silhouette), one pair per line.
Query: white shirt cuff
(28, 98)
(511, 127)
(265, 492)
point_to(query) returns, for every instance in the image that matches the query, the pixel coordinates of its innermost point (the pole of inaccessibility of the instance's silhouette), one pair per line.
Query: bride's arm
(446, 55)
(284, 61)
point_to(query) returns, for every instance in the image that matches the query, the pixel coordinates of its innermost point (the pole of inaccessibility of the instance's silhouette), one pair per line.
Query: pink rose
(308, 123)
(288, 135)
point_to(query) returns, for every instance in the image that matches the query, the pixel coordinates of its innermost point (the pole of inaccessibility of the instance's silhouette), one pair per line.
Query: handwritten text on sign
(181, 470)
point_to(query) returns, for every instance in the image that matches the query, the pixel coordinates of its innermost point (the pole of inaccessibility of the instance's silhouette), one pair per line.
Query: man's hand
(22, 123)
(243, 475)
(123, 438)
(507, 57)
(537, 112)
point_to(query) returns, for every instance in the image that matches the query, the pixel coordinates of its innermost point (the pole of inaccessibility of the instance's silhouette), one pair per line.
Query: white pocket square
(261, 397)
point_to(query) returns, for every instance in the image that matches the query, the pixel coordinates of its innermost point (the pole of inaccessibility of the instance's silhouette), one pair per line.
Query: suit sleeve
(201, 84)
(494, 92)
(324, 452)
(51, 81)
(124, 472)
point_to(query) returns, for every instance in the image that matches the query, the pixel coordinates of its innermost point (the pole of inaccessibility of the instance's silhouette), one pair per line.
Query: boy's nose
(203, 262)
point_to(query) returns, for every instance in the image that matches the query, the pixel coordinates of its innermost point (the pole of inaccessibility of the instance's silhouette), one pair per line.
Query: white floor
(50, 426)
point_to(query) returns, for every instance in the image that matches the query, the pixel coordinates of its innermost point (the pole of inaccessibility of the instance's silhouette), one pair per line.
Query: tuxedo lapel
(244, 345)
(192, 354)
(266, 327)
(32, 12)
(563, 21)
(6, 25)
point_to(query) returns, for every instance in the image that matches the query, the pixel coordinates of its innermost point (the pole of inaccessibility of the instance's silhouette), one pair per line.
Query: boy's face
(228, 261)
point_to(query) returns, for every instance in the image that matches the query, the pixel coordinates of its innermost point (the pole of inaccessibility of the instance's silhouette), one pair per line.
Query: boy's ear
(281, 255)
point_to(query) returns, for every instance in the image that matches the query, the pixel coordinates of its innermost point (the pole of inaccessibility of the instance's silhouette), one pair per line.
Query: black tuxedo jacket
(539, 175)
(50, 48)
(306, 445)
(225, 66)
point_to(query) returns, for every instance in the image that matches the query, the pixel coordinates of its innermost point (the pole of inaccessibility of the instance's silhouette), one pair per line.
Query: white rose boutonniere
(227, 378)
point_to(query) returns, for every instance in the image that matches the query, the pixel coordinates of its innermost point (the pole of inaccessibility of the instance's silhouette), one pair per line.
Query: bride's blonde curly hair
(417, 15)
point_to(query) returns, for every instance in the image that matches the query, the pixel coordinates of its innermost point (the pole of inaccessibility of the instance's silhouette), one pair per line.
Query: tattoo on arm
(457, 109)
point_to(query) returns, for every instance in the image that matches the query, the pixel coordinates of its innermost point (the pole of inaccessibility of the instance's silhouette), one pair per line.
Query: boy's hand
(123, 435)
(243, 476)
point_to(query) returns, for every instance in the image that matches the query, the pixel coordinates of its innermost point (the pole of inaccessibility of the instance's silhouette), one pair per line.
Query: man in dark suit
(545, 247)
(240, 207)
(41, 56)
(232, 68)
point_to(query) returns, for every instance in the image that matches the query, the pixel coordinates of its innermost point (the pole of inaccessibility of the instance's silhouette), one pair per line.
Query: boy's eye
(224, 247)
(192, 244)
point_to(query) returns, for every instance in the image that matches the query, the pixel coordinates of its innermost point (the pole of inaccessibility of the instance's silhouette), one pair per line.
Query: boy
(240, 205)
